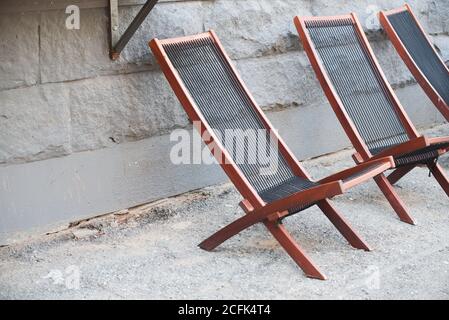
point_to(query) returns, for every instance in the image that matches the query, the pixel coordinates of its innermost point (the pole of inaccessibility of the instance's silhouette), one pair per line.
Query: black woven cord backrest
(224, 104)
(421, 51)
(358, 83)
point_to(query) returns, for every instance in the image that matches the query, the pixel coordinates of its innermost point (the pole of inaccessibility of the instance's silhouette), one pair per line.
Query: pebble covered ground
(150, 252)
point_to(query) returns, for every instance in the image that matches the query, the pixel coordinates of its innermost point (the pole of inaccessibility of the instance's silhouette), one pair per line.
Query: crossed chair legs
(386, 186)
(434, 168)
(284, 238)
(272, 213)
(299, 256)
(279, 232)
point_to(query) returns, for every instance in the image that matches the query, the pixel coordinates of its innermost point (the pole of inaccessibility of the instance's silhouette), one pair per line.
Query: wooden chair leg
(294, 250)
(281, 235)
(392, 197)
(343, 226)
(397, 174)
(440, 176)
(229, 231)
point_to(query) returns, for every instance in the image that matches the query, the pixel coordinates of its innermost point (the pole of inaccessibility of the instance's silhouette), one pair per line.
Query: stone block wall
(60, 93)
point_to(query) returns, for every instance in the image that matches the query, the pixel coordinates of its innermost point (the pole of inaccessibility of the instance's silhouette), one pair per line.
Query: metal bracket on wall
(117, 42)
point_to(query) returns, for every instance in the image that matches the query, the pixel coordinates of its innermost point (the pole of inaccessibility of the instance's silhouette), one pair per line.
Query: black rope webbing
(422, 156)
(225, 105)
(358, 83)
(422, 53)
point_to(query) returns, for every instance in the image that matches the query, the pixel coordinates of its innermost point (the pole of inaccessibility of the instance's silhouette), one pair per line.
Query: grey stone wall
(60, 93)
(99, 127)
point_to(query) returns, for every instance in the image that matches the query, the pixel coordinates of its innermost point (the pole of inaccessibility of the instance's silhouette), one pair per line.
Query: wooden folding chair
(214, 96)
(365, 103)
(418, 53)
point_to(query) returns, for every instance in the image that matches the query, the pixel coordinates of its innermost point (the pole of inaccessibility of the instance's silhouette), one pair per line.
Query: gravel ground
(150, 252)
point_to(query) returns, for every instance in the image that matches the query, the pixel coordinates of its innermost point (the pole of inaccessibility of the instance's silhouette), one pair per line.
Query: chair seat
(420, 156)
(423, 155)
(287, 188)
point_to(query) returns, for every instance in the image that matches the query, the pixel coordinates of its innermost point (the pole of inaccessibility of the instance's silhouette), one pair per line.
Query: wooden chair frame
(363, 154)
(428, 88)
(255, 208)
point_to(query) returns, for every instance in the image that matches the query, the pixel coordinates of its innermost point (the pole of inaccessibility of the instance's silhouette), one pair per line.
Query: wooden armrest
(361, 172)
(438, 140)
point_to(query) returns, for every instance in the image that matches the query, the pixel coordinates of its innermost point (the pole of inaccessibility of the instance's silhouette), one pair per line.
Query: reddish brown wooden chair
(215, 98)
(418, 53)
(365, 103)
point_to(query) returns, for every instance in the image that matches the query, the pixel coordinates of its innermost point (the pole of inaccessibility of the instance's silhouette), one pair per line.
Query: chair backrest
(224, 104)
(410, 36)
(351, 75)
